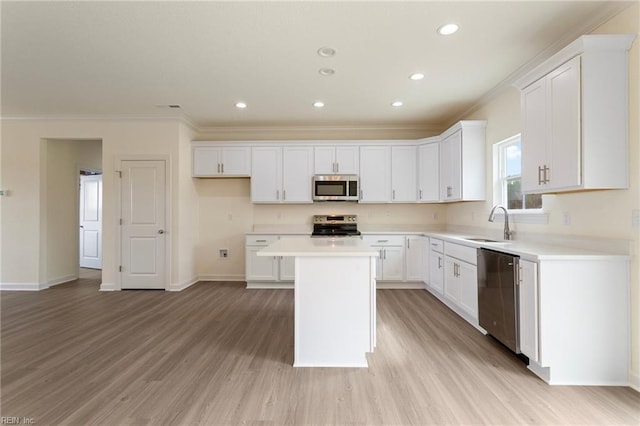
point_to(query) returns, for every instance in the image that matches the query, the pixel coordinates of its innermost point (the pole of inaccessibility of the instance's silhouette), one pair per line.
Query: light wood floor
(219, 354)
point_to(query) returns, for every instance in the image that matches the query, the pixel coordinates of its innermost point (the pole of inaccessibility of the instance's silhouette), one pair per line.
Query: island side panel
(333, 311)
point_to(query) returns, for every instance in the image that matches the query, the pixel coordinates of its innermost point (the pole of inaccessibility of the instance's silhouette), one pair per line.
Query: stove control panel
(337, 219)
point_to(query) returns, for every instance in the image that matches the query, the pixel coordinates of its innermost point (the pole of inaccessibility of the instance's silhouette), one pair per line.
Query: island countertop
(319, 247)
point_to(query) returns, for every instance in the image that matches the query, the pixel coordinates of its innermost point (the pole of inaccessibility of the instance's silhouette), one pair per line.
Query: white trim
(184, 285)
(261, 285)
(20, 287)
(118, 159)
(109, 287)
(399, 285)
(634, 381)
(220, 277)
(61, 280)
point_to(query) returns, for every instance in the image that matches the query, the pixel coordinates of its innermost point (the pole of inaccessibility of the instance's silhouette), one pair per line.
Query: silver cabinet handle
(338, 167)
(540, 175)
(439, 262)
(284, 194)
(222, 167)
(277, 194)
(218, 167)
(408, 243)
(383, 241)
(421, 194)
(449, 191)
(385, 253)
(393, 194)
(161, 231)
(546, 174)
(261, 241)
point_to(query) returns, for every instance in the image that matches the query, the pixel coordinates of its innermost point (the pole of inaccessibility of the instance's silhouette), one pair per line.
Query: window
(507, 177)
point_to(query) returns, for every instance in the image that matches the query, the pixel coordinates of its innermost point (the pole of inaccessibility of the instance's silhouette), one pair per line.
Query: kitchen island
(335, 299)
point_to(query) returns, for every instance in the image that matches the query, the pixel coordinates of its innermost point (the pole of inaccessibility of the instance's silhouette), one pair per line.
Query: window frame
(538, 215)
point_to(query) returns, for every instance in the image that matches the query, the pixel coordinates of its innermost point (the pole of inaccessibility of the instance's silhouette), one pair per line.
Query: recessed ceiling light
(170, 106)
(326, 52)
(396, 104)
(318, 104)
(241, 105)
(326, 71)
(416, 76)
(448, 29)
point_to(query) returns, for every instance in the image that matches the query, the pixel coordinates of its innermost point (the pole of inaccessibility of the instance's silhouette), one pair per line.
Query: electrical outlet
(435, 216)
(224, 253)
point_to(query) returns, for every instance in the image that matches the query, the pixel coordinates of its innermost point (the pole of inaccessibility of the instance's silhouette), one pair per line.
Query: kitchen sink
(482, 240)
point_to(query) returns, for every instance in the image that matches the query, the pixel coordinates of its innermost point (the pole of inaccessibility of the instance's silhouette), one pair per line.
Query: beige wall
(63, 159)
(600, 214)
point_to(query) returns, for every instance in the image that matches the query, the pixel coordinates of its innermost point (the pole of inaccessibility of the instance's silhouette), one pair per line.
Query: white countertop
(319, 247)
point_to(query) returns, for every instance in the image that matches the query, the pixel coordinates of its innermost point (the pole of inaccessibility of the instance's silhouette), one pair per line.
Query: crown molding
(588, 26)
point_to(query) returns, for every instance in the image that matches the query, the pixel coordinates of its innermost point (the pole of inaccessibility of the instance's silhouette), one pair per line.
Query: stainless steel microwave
(335, 188)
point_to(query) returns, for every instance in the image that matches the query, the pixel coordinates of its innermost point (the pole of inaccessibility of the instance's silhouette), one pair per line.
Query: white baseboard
(20, 287)
(634, 381)
(61, 280)
(109, 287)
(253, 285)
(399, 285)
(182, 286)
(216, 277)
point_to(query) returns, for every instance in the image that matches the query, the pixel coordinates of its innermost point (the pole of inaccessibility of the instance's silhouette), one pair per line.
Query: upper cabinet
(429, 172)
(331, 160)
(220, 161)
(575, 118)
(281, 174)
(404, 174)
(375, 174)
(462, 162)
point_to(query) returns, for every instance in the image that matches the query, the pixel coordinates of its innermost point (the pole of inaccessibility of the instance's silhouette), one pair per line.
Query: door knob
(161, 231)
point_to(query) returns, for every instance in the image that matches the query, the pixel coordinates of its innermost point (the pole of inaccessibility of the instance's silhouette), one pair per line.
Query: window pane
(514, 194)
(513, 157)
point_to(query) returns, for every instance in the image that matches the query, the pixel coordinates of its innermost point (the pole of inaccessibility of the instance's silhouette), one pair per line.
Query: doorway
(90, 223)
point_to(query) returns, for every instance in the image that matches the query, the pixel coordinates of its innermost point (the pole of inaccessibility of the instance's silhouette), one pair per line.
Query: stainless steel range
(335, 226)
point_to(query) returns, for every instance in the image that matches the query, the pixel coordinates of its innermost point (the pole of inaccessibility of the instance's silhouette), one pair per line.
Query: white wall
(598, 214)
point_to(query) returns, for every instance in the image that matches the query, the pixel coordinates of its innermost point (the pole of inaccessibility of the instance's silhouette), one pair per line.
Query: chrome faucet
(492, 216)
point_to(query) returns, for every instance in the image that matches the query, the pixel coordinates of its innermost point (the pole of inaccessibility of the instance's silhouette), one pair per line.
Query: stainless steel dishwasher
(498, 296)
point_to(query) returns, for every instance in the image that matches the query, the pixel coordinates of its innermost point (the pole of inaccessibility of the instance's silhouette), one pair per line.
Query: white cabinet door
(436, 272)
(404, 174)
(451, 167)
(260, 268)
(528, 312)
(297, 173)
(393, 263)
(468, 287)
(416, 257)
(324, 160)
(347, 160)
(451, 282)
(534, 135)
(375, 174)
(287, 268)
(563, 97)
(429, 172)
(206, 161)
(266, 174)
(236, 161)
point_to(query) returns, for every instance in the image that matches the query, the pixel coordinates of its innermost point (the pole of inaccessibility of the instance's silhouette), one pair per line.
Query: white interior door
(91, 221)
(143, 225)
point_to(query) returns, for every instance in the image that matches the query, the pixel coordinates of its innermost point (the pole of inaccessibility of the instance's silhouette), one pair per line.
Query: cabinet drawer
(436, 245)
(260, 240)
(468, 254)
(384, 240)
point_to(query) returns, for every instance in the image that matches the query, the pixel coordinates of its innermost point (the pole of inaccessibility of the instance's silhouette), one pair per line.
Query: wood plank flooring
(217, 353)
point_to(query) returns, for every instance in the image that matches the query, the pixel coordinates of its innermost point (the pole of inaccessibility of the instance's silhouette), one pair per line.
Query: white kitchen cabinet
(281, 174)
(375, 174)
(220, 161)
(269, 271)
(436, 267)
(461, 280)
(462, 162)
(297, 173)
(417, 258)
(429, 172)
(575, 117)
(391, 261)
(528, 309)
(266, 174)
(331, 160)
(404, 174)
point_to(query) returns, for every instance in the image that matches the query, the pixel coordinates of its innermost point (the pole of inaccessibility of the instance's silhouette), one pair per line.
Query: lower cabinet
(436, 267)
(417, 258)
(390, 263)
(270, 271)
(461, 286)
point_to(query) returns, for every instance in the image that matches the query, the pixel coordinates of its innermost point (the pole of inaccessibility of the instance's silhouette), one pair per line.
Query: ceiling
(133, 59)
